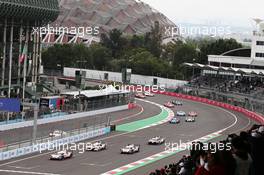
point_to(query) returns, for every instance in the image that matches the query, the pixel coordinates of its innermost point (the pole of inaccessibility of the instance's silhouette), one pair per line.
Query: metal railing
(46, 139)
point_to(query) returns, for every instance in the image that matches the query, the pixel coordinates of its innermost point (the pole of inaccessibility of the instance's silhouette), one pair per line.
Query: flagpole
(4, 55)
(10, 62)
(25, 65)
(20, 53)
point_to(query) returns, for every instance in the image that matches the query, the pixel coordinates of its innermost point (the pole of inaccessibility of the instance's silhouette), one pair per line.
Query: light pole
(193, 68)
(79, 100)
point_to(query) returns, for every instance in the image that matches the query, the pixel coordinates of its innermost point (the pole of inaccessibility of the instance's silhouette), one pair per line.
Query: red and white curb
(169, 117)
(161, 155)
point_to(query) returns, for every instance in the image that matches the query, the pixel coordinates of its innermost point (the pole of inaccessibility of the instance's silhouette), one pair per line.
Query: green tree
(217, 47)
(114, 41)
(101, 56)
(153, 40)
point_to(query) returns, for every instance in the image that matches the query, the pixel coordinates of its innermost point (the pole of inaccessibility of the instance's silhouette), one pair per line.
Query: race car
(97, 146)
(140, 95)
(174, 120)
(148, 94)
(61, 155)
(156, 140)
(190, 119)
(177, 103)
(169, 105)
(57, 133)
(180, 113)
(130, 149)
(193, 114)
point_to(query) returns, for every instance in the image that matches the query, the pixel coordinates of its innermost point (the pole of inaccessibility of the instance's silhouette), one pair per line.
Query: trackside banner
(9, 105)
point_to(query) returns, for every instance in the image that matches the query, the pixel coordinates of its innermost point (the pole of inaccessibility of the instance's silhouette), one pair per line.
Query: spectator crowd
(245, 85)
(244, 158)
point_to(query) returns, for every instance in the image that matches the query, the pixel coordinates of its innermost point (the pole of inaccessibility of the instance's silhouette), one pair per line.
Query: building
(238, 62)
(101, 16)
(20, 42)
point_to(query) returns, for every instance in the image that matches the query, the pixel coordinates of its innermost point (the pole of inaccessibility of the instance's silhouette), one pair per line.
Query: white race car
(190, 119)
(140, 95)
(148, 94)
(177, 103)
(130, 149)
(97, 146)
(57, 133)
(61, 155)
(181, 113)
(156, 140)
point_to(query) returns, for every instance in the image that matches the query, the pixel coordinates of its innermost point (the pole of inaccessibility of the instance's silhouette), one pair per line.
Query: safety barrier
(63, 118)
(50, 145)
(257, 117)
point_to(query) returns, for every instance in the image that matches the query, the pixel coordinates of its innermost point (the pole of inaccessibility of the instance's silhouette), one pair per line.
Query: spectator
(241, 156)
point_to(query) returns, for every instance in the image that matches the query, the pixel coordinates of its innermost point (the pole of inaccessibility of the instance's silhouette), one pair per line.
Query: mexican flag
(23, 55)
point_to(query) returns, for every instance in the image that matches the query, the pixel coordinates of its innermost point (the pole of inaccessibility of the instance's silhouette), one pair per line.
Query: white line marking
(202, 138)
(132, 116)
(106, 138)
(27, 172)
(25, 168)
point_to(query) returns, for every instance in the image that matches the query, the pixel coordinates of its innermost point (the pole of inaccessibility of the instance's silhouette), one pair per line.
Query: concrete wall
(117, 76)
(63, 118)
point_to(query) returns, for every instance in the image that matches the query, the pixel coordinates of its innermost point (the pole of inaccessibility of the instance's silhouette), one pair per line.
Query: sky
(236, 13)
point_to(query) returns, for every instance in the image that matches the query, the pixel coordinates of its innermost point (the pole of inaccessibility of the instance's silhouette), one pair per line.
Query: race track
(210, 119)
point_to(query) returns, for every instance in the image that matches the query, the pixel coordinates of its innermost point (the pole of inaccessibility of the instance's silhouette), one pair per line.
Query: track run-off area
(151, 120)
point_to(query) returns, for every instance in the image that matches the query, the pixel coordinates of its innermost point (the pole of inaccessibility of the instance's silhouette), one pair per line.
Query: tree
(217, 47)
(114, 41)
(153, 40)
(101, 56)
(58, 55)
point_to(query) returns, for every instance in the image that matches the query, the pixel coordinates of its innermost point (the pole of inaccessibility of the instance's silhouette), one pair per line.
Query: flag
(23, 55)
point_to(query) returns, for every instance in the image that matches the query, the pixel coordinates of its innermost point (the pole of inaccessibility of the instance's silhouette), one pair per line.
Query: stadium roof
(130, 16)
(227, 69)
(30, 10)
(110, 90)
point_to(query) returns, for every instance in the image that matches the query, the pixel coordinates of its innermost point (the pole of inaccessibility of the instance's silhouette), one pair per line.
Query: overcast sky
(226, 12)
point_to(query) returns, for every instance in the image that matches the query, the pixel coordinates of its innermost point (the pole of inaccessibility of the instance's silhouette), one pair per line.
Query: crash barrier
(56, 114)
(11, 121)
(63, 118)
(50, 144)
(257, 117)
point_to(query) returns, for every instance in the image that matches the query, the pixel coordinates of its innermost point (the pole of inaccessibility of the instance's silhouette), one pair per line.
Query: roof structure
(110, 90)
(130, 16)
(30, 10)
(226, 69)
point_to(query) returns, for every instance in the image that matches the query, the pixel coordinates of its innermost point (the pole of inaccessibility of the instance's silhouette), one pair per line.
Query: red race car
(193, 114)
(169, 105)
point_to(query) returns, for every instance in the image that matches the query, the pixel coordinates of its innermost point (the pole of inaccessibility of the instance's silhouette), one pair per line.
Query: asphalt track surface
(210, 119)
(120, 117)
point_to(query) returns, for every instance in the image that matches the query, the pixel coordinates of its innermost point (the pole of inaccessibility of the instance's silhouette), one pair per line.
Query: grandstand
(240, 70)
(102, 16)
